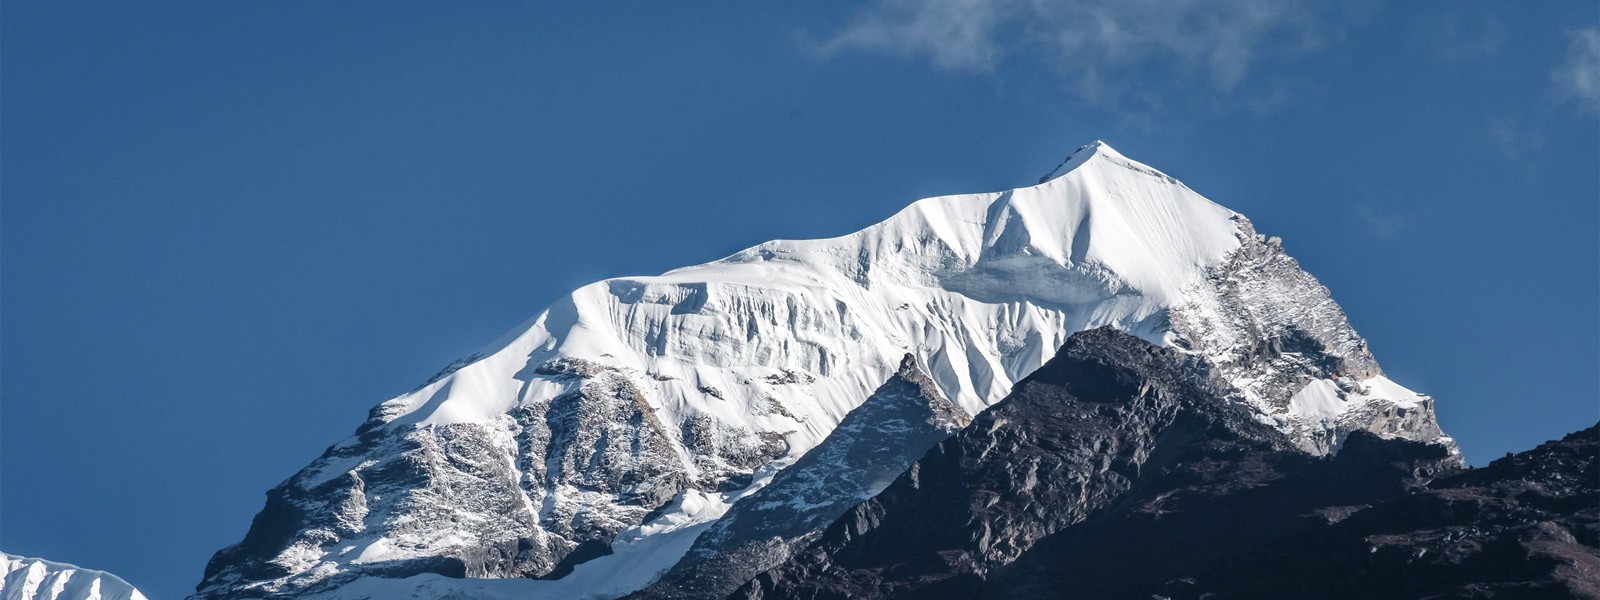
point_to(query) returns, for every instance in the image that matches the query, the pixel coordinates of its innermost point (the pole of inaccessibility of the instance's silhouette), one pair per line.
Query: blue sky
(229, 229)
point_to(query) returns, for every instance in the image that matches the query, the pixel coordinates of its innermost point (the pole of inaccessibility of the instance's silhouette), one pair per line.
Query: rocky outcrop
(872, 445)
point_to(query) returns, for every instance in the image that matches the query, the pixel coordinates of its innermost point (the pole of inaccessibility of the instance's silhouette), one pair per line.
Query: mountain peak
(1081, 156)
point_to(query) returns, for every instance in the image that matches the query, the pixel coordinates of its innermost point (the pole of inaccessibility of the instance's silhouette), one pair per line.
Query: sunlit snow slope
(37, 579)
(636, 408)
(982, 287)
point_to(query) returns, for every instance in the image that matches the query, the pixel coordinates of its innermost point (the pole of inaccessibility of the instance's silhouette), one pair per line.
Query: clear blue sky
(228, 229)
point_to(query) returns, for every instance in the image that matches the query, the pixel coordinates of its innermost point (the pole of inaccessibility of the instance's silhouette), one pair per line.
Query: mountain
(24, 578)
(582, 454)
(1107, 474)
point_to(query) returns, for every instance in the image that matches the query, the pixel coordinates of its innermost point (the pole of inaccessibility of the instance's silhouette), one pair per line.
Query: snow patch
(1320, 399)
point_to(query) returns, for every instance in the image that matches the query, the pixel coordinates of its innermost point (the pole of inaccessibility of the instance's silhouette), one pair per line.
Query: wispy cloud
(1380, 223)
(1457, 37)
(1578, 79)
(954, 34)
(1214, 43)
(1514, 139)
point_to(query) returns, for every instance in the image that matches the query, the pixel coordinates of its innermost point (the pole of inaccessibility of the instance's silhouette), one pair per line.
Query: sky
(227, 230)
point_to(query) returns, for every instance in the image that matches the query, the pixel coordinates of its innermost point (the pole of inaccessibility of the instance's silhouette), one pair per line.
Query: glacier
(602, 435)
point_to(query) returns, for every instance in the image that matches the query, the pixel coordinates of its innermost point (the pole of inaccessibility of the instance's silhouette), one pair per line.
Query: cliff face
(1106, 473)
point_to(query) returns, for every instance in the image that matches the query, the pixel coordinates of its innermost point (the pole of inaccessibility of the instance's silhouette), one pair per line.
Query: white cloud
(1578, 78)
(1213, 43)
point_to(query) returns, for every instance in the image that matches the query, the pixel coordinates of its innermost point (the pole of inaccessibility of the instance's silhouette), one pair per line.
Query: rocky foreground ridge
(1109, 474)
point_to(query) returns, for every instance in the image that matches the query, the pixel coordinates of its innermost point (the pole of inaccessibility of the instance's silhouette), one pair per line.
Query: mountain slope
(607, 432)
(38, 579)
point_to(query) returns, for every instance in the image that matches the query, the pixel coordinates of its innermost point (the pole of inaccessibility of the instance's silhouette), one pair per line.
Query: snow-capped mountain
(582, 454)
(24, 578)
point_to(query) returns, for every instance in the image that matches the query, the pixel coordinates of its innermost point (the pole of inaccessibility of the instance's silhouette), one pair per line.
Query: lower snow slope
(638, 408)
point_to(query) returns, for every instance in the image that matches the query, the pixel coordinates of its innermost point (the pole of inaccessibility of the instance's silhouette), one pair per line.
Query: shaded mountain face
(584, 452)
(872, 445)
(1526, 526)
(1107, 474)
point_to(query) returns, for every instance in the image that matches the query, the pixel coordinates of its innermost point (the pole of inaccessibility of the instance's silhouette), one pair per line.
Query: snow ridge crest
(23, 578)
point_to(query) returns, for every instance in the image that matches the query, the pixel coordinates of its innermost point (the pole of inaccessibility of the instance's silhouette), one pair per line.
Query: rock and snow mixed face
(870, 448)
(637, 407)
(37, 579)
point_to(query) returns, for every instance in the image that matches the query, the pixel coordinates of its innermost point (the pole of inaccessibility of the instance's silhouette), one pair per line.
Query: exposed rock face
(872, 445)
(545, 487)
(1107, 474)
(1262, 330)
